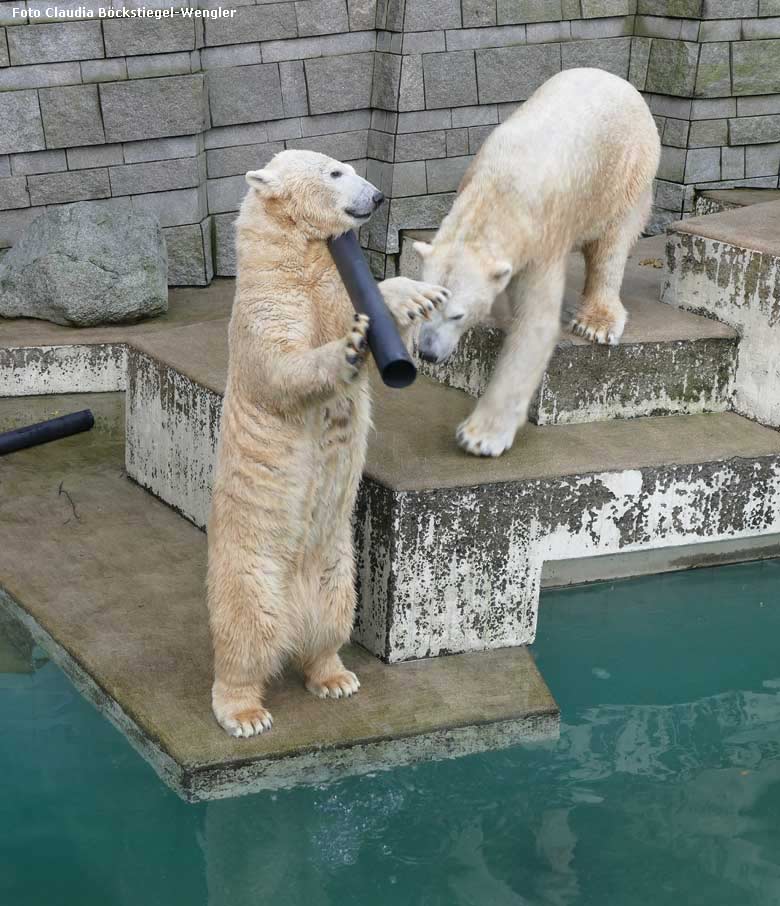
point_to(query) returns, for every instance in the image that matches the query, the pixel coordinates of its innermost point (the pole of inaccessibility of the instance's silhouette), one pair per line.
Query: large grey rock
(83, 265)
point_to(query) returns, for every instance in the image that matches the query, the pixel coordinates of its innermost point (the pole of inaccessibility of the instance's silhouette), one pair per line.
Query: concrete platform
(38, 357)
(111, 582)
(727, 266)
(664, 365)
(715, 201)
(451, 547)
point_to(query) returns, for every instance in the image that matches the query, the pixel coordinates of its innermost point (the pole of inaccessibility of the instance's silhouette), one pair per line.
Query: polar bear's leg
(330, 625)
(244, 607)
(537, 300)
(601, 316)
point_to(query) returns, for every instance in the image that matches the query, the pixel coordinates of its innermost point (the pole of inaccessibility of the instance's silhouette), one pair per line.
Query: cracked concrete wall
(167, 115)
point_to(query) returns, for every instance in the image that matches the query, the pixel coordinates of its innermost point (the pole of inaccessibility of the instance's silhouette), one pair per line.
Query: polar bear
(295, 419)
(573, 167)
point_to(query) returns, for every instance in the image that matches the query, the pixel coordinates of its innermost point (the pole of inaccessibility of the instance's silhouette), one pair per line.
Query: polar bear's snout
(437, 341)
(366, 200)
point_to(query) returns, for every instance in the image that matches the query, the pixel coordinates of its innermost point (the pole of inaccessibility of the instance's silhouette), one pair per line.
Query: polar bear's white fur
(293, 434)
(574, 166)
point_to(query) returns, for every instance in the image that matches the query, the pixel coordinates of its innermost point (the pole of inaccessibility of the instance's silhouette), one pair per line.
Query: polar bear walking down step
(573, 167)
(293, 431)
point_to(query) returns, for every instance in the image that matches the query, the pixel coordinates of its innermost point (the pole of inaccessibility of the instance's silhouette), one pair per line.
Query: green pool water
(664, 787)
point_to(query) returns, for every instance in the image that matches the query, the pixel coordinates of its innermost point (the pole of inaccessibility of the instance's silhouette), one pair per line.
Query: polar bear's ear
(501, 274)
(265, 182)
(423, 249)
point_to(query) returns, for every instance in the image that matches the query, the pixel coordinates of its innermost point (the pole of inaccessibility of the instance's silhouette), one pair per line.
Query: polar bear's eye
(336, 173)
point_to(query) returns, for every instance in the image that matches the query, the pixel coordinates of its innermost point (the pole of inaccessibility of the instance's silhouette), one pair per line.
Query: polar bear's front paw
(482, 436)
(600, 323)
(412, 300)
(339, 685)
(246, 722)
(355, 347)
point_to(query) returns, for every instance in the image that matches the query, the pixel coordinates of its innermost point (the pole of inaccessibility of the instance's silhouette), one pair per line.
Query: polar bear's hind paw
(339, 685)
(600, 323)
(247, 722)
(484, 439)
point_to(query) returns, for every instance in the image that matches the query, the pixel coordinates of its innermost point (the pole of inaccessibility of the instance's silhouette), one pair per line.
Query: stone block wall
(168, 114)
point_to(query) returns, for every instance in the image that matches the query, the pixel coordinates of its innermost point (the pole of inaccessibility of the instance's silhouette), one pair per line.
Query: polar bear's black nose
(377, 198)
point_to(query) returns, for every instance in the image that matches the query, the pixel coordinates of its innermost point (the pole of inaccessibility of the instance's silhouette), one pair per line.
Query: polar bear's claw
(247, 723)
(340, 685)
(490, 440)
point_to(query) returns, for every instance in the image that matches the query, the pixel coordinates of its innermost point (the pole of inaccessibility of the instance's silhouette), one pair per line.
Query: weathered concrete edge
(62, 368)
(166, 767)
(333, 764)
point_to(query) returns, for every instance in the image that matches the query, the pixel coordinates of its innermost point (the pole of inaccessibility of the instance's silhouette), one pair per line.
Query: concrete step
(111, 583)
(450, 547)
(715, 201)
(663, 366)
(727, 266)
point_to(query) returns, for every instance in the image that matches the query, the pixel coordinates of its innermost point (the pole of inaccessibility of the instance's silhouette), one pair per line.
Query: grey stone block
(83, 265)
(681, 8)
(637, 64)
(339, 83)
(59, 188)
(617, 27)
(362, 14)
(445, 175)
(425, 42)
(56, 43)
(411, 94)
(228, 136)
(224, 57)
(186, 255)
(727, 9)
(328, 123)
(420, 146)
(160, 64)
(512, 12)
(424, 120)
(477, 136)
(386, 81)
(713, 108)
(93, 156)
(13, 193)
(675, 132)
(253, 23)
(13, 222)
(224, 245)
(713, 78)
(762, 160)
(21, 118)
(174, 208)
(597, 9)
(709, 133)
(130, 37)
(478, 13)
(754, 130)
(324, 46)
(280, 130)
(5, 165)
(157, 176)
(251, 94)
(342, 146)
(665, 105)
(473, 38)
(669, 195)
(672, 166)
(380, 146)
(450, 79)
(672, 67)
(457, 142)
(761, 105)
(42, 75)
(409, 179)
(415, 213)
(485, 115)
(702, 165)
(103, 70)
(162, 149)
(756, 67)
(720, 30)
(769, 7)
(226, 194)
(38, 162)
(514, 73)
(293, 86)
(506, 110)
(153, 108)
(240, 159)
(658, 27)
(547, 32)
(732, 163)
(426, 15)
(71, 116)
(570, 9)
(321, 17)
(611, 54)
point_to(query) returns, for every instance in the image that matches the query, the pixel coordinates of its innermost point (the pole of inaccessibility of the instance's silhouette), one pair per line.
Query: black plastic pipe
(390, 354)
(43, 432)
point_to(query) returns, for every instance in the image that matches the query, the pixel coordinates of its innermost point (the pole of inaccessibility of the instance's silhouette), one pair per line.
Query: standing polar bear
(574, 166)
(295, 419)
